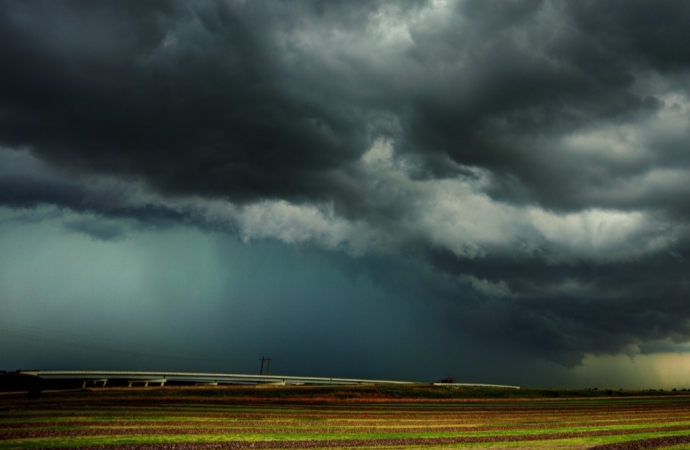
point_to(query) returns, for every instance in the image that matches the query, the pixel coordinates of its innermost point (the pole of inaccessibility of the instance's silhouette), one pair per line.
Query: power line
(55, 337)
(54, 341)
(47, 333)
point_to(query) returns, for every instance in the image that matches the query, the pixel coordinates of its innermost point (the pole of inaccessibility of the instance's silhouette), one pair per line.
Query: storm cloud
(527, 160)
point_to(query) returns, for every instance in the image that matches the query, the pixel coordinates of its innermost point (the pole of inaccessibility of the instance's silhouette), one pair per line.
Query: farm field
(339, 417)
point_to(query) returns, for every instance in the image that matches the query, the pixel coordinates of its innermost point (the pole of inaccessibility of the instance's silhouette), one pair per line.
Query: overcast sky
(493, 191)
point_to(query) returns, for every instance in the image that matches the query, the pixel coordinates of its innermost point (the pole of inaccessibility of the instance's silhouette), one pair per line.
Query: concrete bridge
(102, 376)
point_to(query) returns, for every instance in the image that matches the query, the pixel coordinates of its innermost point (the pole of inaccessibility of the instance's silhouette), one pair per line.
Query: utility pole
(268, 366)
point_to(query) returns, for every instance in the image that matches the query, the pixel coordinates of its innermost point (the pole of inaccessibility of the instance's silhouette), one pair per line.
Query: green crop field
(345, 417)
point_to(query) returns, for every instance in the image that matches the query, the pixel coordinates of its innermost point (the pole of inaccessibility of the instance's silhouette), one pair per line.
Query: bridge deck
(197, 377)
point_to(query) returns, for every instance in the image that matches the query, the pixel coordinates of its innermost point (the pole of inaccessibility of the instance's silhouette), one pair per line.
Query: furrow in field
(362, 413)
(364, 434)
(640, 444)
(414, 442)
(402, 420)
(358, 428)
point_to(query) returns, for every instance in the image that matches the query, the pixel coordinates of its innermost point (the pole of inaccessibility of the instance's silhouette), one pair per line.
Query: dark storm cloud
(568, 311)
(21, 192)
(531, 73)
(194, 99)
(96, 229)
(26, 183)
(225, 98)
(567, 107)
(646, 34)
